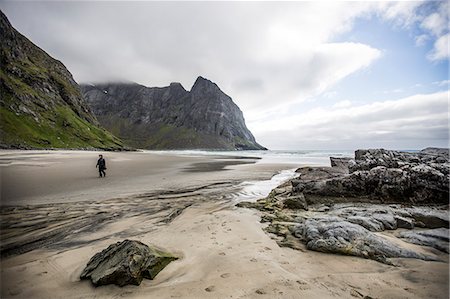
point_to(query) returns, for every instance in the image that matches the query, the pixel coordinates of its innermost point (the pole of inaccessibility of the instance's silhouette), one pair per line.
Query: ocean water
(254, 190)
(310, 157)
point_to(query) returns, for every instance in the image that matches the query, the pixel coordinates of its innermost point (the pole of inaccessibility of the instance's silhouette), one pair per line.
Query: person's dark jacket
(101, 163)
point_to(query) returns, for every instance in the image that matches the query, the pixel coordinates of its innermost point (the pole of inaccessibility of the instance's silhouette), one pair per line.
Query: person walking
(101, 165)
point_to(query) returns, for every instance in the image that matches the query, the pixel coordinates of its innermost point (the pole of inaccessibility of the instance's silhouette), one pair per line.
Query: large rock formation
(171, 117)
(340, 209)
(41, 106)
(126, 262)
(378, 174)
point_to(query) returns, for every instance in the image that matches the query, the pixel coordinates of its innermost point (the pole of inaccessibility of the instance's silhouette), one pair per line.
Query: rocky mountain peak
(176, 85)
(202, 81)
(204, 86)
(177, 90)
(171, 117)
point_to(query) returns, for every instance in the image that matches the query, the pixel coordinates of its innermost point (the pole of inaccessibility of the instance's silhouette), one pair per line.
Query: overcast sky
(307, 75)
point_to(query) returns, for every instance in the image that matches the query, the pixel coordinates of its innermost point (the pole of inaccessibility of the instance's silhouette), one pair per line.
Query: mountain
(171, 117)
(41, 106)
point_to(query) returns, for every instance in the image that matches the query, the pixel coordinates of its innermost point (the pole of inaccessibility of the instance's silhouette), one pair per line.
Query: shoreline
(38, 177)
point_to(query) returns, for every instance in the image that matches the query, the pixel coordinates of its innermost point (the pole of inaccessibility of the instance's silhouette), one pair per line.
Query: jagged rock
(403, 222)
(386, 176)
(436, 151)
(368, 159)
(126, 262)
(342, 163)
(247, 204)
(335, 235)
(297, 185)
(429, 219)
(322, 208)
(310, 174)
(374, 218)
(437, 238)
(387, 219)
(296, 202)
(356, 204)
(281, 190)
(367, 222)
(348, 239)
(171, 117)
(279, 228)
(379, 218)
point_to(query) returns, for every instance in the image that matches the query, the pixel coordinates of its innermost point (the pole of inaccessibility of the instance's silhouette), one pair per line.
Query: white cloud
(342, 104)
(307, 76)
(435, 22)
(431, 16)
(441, 83)
(396, 90)
(268, 56)
(260, 53)
(336, 61)
(440, 50)
(413, 122)
(402, 13)
(330, 94)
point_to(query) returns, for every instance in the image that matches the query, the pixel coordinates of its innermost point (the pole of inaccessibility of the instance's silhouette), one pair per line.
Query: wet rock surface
(342, 209)
(336, 235)
(353, 228)
(437, 238)
(126, 262)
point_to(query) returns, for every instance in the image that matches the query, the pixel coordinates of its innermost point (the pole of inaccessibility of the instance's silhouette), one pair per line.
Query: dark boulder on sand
(126, 262)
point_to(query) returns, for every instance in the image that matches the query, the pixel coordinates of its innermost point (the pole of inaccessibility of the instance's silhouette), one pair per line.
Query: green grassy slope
(41, 106)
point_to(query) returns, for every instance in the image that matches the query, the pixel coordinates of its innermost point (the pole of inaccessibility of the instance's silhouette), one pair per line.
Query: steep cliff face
(41, 106)
(171, 117)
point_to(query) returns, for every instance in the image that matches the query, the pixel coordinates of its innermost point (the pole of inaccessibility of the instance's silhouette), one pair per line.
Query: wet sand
(47, 240)
(31, 177)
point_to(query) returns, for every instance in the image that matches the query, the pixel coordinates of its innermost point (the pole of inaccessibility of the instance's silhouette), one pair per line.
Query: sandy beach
(56, 214)
(33, 177)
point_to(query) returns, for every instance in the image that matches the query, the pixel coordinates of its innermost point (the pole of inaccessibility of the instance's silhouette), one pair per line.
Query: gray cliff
(171, 117)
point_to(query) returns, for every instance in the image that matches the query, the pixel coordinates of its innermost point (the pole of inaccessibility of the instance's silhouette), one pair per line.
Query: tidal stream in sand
(254, 190)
